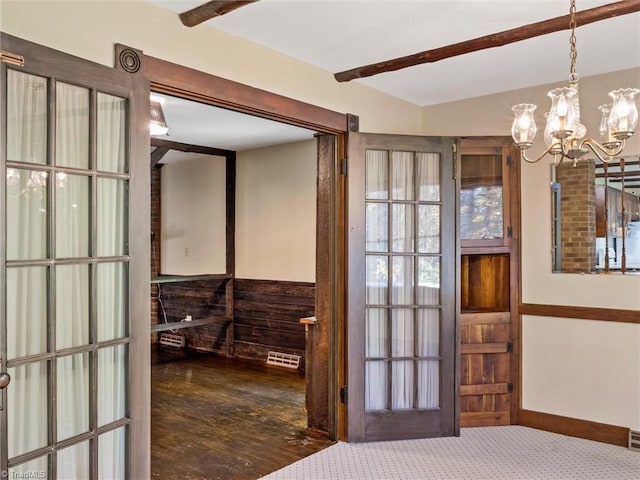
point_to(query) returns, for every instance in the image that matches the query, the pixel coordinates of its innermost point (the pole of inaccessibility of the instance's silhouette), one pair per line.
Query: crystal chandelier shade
(564, 133)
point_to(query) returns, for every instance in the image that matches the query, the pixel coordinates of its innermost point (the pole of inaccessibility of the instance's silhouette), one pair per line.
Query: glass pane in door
(72, 306)
(38, 468)
(73, 462)
(112, 391)
(72, 126)
(26, 311)
(26, 118)
(111, 311)
(72, 373)
(377, 218)
(377, 174)
(112, 221)
(481, 208)
(428, 176)
(111, 458)
(403, 227)
(112, 134)
(27, 402)
(402, 334)
(376, 381)
(402, 180)
(27, 209)
(73, 205)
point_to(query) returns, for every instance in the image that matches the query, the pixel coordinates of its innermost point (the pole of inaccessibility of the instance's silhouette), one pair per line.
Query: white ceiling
(336, 35)
(199, 124)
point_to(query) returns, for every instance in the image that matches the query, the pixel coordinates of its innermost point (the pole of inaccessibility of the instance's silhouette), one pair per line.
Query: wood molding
(582, 313)
(173, 79)
(574, 427)
(177, 80)
(210, 10)
(499, 39)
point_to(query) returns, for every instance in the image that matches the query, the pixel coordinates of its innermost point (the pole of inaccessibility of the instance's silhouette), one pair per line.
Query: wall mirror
(596, 216)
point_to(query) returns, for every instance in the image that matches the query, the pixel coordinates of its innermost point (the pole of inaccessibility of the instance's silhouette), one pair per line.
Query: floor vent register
(286, 360)
(171, 340)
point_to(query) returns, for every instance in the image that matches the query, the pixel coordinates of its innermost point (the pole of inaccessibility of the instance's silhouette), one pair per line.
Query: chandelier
(564, 135)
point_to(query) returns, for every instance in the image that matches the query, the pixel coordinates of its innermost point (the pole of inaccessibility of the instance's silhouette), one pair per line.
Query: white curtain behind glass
(111, 281)
(402, 335)
(403, 324)
(377, 279)
(26, 287)
(26, 239)
(72, 240)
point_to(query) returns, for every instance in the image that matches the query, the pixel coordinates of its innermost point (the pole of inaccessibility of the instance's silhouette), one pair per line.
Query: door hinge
(510, 347)
(509, 231)
(12, 58)
(454, 150)
(509, 160)
(344, 165)
(510, 387)
(344, 395)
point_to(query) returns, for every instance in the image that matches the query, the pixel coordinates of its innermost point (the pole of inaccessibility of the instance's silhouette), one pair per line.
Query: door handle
(5, 380)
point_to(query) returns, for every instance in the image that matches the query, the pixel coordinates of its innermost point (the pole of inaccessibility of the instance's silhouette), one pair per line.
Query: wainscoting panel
(267, 316)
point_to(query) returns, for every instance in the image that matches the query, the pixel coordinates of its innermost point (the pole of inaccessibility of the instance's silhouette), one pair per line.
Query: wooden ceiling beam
(493, 40)
(210, 10)
(186, 147)
(157, 154)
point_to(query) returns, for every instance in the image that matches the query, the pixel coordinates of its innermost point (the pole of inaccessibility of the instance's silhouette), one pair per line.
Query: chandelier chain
(573, 77)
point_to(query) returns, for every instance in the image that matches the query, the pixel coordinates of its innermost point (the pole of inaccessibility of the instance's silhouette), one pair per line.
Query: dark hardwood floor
(227, 419)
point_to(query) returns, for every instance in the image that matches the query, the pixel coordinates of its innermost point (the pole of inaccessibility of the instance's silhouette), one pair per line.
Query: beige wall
(276, 212)
(89, 29)
(193, 209)
(582, 369)
(96, 26)
(576, 368)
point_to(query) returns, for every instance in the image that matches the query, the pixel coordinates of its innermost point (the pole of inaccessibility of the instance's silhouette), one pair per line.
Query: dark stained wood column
(317, 343)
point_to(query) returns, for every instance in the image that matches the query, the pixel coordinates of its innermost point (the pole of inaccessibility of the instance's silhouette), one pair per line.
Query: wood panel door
(489, 292)
(402, 251)
(74, 268)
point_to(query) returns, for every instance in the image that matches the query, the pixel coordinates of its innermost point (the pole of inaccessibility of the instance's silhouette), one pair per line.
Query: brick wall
(578, 216)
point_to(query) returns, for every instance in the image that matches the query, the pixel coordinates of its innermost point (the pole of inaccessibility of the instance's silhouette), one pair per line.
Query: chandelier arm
(599, 150)
(523, 155)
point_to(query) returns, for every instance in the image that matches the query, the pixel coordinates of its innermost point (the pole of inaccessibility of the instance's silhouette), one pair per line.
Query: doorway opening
(233, 222)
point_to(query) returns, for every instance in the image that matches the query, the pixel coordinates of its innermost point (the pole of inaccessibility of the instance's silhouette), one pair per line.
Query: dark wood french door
(74, 275)
(401, 340)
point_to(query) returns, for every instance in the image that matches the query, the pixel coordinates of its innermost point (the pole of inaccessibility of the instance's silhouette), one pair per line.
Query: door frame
(173, 79)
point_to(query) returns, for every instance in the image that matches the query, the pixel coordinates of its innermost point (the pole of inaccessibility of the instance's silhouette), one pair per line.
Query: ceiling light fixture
(157, 123)
(564, 134)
